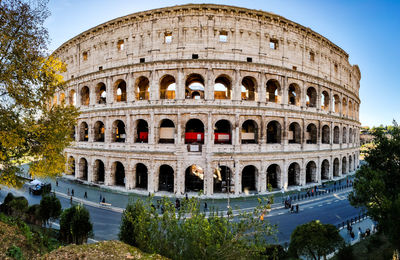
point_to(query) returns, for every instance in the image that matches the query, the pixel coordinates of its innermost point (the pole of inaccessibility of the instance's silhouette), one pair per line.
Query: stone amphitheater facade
(209, 97)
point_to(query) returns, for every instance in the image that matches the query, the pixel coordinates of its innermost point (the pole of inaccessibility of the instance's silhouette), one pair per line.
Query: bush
(75, 225)
(345, 253)
(33, 215)
(5, 207)
(18, 207)
(50, 208)
(15, 252)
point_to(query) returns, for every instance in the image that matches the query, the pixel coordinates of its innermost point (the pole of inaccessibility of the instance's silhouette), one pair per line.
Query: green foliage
(50, 208)
(75, 225)
(18, 207)
(345, 253)
(33, 215)
(15, 252)
(29, 126)
(377, 183)
(188, 234)
(314, 240)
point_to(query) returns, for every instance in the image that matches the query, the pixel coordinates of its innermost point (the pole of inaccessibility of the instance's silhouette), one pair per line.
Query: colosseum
(210, 98)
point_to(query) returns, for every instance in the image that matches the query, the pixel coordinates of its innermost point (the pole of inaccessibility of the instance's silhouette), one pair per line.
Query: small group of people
(288, 202)
(294, 209)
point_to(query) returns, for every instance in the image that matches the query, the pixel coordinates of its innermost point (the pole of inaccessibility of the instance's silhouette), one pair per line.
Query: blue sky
(369, 31)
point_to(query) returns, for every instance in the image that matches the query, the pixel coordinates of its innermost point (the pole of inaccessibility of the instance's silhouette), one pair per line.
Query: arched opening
(294, 133)
(325, 170)
(194, 178)
(248, 88)
(222, 179)
(222, 87)
(274, 132)
(98, 172)
(166, 178)
(294, 174)
(83, 169)
(325, 134)
(350, 113)
(222, 132)
(83, 132)
(311, 172)
(194, 87)
(167, 87)
(336, 135)
(336, 102)
(119, 173)
(350, 136)
(325, 101)
(350, 164)
(85, 97)
(249, 174)
(142, 88)
(194, 132)
(72, 98)
(344, 135)
(101, 93)
(294, 94)
(273, 176)
(167, 132)
(141, 176)
(71, 166)
(311, 134)
(62, 99)
(344, 107)
(249, 132)
(311, 97)
(344, 165)
(99, 130)
(120, 91)
(273, 89)
(142, 131)
(336, 167)
(118, 130)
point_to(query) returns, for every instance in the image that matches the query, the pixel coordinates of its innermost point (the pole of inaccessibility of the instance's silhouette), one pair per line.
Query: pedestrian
(68, 192)
(291, 209)
(57, 183)
(72, 192)
(85, 196)
(104, 200)
(186, 196)
(297, 208)
(205, 206)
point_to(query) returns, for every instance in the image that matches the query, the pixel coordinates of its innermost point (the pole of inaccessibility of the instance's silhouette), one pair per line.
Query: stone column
(179, 178)
(151, 129)
(236, 95)
(180, 85)
(284, 91)
(236, 177)
(110, 91)
(262, 89)
(209, 86)
(319, 170)
(284, 175)
(152, 186)
(92, 95)
(130, 89)
(154, 88)
(262, 178)
(107, 173)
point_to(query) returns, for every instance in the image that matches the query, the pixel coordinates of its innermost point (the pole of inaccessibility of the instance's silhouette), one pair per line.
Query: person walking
(85, 195)
(297, 208)
(72, 192)
(205, 206)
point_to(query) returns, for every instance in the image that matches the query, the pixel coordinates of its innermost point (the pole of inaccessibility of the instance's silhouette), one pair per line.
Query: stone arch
(119, 173)
(83, 169)
(311, 172)
(350, 111)
(141, 176)
(336, 102)
(98, 171)
(62, 98)
(311, 97)
(325, 170)
(194, 131)
(294, 94)
(223, 87)
(85, 96)
(344, 138)
(325, 135)
(249, 133)
(118, 131)
(142, 86)
(325, 100)
(194, 86)
(71, 166)
(83, 132)
(249, 88)
(311, 134)
(344, 165)
(142, 131)
(99, 131)
(350, 164)
(344, 107)
(274, 132)
(167, 87)
(120, 90)
(273, 91)
(167, 132)
(101, 93)
(273, 176)
(72, 98)
(294, 174)
(294, 133)
(336, 135)
(350, 136)
(194, 178)
(336, 166)
(222, 178)
(249, 178)
(166, 178)
(223, 132)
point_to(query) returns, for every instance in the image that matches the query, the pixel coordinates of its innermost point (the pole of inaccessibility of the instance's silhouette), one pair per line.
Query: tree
(377, 183)
(75, 225)
(30, 126)
(189, 234)
(50, 208)
(314, 240)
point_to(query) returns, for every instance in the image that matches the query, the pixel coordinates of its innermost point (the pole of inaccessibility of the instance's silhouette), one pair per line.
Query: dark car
(39, 189)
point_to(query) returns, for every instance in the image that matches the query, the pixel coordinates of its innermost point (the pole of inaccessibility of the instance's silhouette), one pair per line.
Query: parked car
(37, 187)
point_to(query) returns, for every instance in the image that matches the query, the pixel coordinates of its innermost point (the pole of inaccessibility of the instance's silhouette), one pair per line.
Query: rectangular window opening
(85, 55)
(223, 36)
(312, 56)
(273, 44)
(167, 37)
(294, 68)
(101, 68)
(195, 56)
(249, 59)
(120, 45)
(142, 60)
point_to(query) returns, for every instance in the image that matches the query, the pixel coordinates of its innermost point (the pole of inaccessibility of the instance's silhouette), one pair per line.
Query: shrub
(15, 252)
(50, 208)
(75, 225)
(18, 207)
